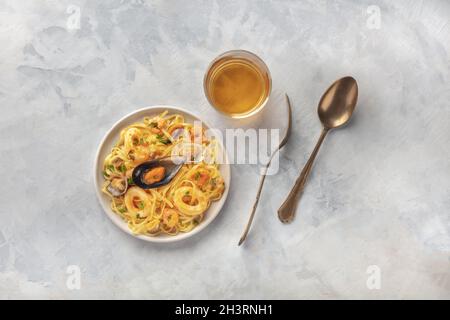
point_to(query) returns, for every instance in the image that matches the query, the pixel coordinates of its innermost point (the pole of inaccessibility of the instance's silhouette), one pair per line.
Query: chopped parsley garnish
(111, 168)
(186, 193)
(197, 175)
(153, 124)
(105, 174)
(122, 210)
(130, 181)
(141, 205)
(162, 139)
(122, 168)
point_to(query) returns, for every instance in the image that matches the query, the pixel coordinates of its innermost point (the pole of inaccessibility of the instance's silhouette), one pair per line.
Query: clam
(117, 186)
(177, 133)
(157, 172)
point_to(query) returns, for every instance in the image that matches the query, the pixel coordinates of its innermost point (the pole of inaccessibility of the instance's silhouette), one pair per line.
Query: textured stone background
(378, 195)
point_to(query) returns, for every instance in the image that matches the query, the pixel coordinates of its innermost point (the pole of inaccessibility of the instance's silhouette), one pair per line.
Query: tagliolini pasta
(178, 206)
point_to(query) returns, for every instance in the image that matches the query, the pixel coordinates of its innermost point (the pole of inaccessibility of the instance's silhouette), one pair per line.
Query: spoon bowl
(338, 103)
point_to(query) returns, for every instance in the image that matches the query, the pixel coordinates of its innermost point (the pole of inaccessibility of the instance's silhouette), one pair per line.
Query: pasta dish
(177, 206)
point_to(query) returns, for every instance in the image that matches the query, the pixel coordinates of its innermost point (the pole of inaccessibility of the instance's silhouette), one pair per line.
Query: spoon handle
(263, 177)
(286, 212)
(255, 204)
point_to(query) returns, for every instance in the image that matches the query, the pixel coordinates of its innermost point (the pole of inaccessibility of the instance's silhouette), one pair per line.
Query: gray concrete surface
(379, 194)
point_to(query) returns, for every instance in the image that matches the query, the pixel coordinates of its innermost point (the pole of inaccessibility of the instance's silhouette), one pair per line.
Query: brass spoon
(335, 109)
(282, 143)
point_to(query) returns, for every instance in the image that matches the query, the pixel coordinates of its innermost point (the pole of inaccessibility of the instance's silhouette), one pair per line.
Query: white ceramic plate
(112, 137)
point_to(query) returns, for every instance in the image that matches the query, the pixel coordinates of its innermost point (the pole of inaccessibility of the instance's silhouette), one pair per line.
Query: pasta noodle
(178, 206)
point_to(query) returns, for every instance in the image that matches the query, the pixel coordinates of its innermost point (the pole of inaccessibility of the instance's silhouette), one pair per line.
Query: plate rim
(120, 223)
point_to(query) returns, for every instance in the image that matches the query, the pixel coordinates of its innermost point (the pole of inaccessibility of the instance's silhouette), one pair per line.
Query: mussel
(157, 172)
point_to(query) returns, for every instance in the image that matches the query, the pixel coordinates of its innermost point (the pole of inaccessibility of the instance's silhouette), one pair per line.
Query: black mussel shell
(171, 164)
